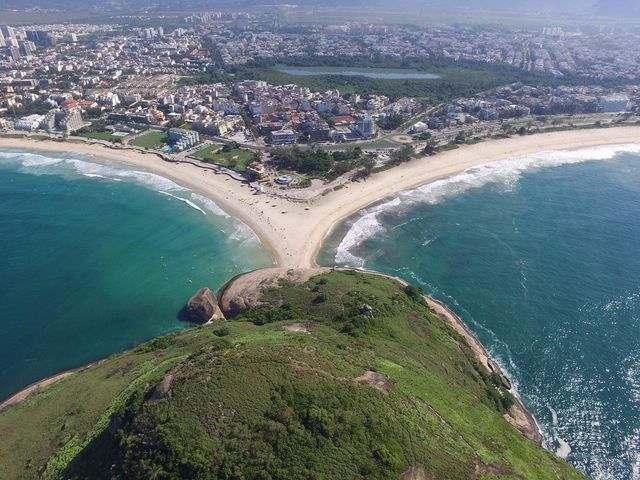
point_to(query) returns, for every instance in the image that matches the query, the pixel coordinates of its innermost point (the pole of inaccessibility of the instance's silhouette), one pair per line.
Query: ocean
(98, 258)
(540, 256)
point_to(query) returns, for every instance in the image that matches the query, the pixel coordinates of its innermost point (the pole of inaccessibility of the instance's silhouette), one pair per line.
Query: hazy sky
(615, 8)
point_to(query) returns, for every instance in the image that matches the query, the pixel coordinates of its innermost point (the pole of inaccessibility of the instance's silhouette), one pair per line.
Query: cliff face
(338, 375)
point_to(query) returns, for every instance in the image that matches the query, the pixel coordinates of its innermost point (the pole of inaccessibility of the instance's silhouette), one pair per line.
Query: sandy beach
(295, 231)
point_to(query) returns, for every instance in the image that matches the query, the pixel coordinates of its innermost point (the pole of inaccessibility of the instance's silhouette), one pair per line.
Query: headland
(294, 230)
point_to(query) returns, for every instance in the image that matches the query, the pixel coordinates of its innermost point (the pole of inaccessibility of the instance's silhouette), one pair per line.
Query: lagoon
(375, 73)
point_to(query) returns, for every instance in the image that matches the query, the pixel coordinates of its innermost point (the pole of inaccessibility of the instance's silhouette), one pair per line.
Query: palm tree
(156, 472)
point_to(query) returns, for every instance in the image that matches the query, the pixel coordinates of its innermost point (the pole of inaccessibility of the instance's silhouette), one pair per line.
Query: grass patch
(152, 140)
(251, 399)
(383, 168)
(446, 147)
(383, 143)
(235, 158)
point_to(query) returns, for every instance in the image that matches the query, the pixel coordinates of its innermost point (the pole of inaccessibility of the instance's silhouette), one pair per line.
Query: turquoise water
(96, 259)
(377, 74)
(541, 257)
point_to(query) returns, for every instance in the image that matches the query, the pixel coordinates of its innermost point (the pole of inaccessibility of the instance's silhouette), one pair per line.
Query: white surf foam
(148, 179)
(243, 234)
(238, 232)
(506, 172)
(185, 200)
(365, 227)
(61, 166)
(28, 160)
(564, 449)
(209, 205)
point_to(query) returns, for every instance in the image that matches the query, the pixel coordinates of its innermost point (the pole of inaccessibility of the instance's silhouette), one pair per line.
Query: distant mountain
(503, 6)
(624, 9)
(617, 8)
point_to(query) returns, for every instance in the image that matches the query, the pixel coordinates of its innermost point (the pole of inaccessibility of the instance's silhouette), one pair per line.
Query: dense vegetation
(346, 376)
(319, 163)
(458, 78)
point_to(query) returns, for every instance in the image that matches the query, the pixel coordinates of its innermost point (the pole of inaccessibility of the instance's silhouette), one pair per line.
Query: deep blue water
(541, 258)
(96, 259)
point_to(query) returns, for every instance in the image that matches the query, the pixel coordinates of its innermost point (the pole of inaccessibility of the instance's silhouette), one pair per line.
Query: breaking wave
(147, 179)
(185, 200)
(209, 205)
(365, 227)
(506, 172)
(68, 165)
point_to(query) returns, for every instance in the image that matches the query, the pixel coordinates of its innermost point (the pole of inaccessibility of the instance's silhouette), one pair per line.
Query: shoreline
(519, 416)
(37, 386)
(294, 232)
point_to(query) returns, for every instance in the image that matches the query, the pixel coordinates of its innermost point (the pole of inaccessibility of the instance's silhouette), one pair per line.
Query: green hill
(347, 375)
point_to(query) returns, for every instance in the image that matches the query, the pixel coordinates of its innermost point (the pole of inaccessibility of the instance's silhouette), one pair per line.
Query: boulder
(202, 307)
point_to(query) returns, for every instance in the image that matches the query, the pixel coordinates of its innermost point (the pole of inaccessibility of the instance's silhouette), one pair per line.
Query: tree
(156, 472)
(392, 122)
(402, 155)
(506, 128)
(367, 166)
(430, 148)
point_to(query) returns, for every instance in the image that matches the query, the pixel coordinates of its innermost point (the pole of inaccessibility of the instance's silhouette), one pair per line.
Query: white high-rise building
(8, 32)
(366, 126)
(29, 48)
(613, 103)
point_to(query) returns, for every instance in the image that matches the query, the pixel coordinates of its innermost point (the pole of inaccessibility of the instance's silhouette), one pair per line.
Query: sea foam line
(42, 164)
(506, 172)
(209, 205)
(185, 200)
(48, 165)
(148, 179)
(241, 231)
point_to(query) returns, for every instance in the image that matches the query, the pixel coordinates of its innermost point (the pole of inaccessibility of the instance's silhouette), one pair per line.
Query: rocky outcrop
(163, 389)
(202, 307)
(245, 291)
(379, 381)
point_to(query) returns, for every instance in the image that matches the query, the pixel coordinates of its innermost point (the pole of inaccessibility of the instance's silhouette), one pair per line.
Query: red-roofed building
(69, 104)
(88, 104)
(344, 121)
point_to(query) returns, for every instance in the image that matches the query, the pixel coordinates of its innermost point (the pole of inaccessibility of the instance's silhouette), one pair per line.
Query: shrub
(413, 292)
(221, 332)
(385, 456)
(269, 314)
(320, 299)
